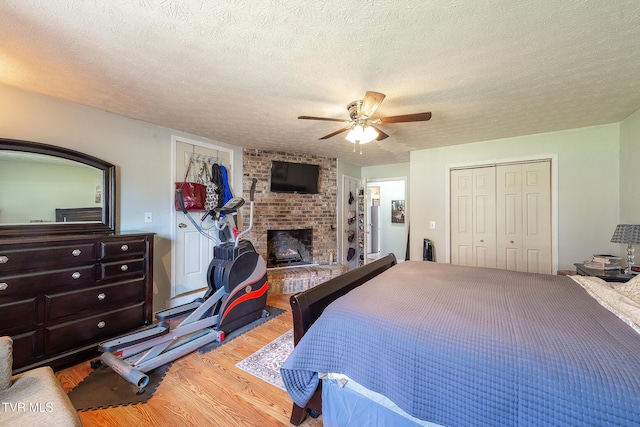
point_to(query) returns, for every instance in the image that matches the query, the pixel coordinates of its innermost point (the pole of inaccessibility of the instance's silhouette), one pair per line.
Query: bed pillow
(6, 362)
(630, 289)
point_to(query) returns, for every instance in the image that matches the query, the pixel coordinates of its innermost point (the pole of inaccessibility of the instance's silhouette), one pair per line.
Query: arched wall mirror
(48, 190)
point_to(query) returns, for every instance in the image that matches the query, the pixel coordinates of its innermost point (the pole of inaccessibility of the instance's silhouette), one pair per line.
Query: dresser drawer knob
(101, 324)
(124, 248)
(124, 267)
(76, 252)
(76, 275)
(101, 296)
(3, 286)
(4, 259)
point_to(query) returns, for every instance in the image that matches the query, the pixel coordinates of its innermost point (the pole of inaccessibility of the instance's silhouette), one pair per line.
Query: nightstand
(606, 275)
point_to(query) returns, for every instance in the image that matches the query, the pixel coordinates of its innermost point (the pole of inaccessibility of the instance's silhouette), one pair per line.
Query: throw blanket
(464, 346)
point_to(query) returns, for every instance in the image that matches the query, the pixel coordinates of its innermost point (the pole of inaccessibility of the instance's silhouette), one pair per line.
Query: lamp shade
(627, 233)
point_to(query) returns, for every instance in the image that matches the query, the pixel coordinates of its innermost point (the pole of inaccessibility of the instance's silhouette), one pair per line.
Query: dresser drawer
(18, 316)
(95, 299)
(122, 247)
(25, 348)
(36, 283)
(92, 329)
(110, 270)
(29, 259)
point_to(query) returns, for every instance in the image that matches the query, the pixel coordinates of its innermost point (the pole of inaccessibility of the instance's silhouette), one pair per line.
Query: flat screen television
(289, 177)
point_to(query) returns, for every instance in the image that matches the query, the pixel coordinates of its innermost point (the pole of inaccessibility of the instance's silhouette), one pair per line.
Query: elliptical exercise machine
(236, 296)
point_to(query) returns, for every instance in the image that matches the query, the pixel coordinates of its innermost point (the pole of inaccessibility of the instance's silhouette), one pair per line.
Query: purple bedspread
(464, 346)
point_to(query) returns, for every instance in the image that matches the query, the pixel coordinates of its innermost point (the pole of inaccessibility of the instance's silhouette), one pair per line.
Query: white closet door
(473, 217)
(462, 217)
(536, 221)
(484, 217)
(509, 219)
(523, 205)
(501, 216)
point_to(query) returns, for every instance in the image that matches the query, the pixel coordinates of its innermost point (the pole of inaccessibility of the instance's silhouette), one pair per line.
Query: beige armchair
(32, 398)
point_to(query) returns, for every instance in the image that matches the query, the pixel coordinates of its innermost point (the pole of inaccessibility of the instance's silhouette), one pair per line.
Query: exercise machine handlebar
(251, 195)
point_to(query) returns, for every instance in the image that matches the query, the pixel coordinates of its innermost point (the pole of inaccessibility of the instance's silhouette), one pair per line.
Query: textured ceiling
(241, 71)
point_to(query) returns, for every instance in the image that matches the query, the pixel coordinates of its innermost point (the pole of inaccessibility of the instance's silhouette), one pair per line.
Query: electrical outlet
(432, 225)
(148, 217)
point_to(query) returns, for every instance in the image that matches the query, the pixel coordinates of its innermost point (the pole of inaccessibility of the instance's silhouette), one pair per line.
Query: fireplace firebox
(289, 247)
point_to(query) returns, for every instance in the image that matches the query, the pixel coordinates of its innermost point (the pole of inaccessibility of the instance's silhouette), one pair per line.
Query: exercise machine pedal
(136, 337)
(179, 310)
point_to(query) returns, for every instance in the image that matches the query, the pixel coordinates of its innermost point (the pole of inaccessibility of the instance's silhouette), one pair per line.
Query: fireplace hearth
(288, 248)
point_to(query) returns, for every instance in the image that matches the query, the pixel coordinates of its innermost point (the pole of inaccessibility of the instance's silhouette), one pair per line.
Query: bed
(463, 346)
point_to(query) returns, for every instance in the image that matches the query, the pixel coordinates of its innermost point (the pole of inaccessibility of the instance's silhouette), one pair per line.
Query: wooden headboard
(307, 306)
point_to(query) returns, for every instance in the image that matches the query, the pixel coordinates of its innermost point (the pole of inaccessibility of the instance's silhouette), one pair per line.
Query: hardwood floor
(206, 390)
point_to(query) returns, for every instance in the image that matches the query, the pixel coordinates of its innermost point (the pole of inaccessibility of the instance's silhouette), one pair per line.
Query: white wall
(629, 170)
(588, 187)
(141, 152)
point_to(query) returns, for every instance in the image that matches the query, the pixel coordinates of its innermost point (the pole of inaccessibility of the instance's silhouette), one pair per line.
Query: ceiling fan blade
(336, 132)
(381, 135)
(417, 117)
(370, 103)
(322, 118)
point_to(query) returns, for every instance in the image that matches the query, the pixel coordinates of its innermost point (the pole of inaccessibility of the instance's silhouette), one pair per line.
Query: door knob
(182, 225)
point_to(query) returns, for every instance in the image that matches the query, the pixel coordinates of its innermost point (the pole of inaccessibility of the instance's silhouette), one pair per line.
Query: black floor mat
(103, 387)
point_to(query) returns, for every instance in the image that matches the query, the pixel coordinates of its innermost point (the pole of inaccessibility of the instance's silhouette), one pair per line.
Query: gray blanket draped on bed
(463, 346)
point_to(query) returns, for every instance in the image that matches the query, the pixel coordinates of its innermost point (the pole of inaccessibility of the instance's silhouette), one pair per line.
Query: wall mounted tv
(289, 177)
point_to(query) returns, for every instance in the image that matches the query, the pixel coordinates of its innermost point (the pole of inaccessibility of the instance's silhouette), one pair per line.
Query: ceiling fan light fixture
(360, 135)
(369, 135)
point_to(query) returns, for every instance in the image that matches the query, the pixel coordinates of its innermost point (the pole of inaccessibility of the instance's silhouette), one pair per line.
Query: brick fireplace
(286, 211)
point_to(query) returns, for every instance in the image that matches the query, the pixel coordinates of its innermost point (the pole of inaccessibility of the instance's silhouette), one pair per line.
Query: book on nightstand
(634, 269)
(603, 262)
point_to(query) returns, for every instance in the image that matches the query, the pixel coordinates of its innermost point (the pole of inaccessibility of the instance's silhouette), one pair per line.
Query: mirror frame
(108, 224)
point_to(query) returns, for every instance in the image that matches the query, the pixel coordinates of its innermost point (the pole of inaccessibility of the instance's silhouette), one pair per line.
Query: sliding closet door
(524, 220)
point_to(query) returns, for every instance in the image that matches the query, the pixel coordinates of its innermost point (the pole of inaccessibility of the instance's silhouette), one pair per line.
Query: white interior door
(484, 217)
(536, 210)
(462, 217)
(501, 216)
(191, 251)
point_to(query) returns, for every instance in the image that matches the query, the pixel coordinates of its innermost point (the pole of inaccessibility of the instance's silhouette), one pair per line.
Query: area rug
(104, 388)
(266, 362)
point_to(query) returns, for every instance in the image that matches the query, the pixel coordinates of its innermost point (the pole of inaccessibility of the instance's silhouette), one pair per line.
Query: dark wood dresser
(60, 296)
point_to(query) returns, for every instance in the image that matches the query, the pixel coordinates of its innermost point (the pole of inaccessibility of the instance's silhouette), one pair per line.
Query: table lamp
(629, 234)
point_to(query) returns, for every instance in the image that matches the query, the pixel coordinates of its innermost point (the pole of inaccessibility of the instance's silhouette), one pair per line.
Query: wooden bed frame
(307, 306)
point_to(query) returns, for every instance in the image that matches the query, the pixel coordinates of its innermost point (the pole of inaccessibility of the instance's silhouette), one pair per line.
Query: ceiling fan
(361, 124)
